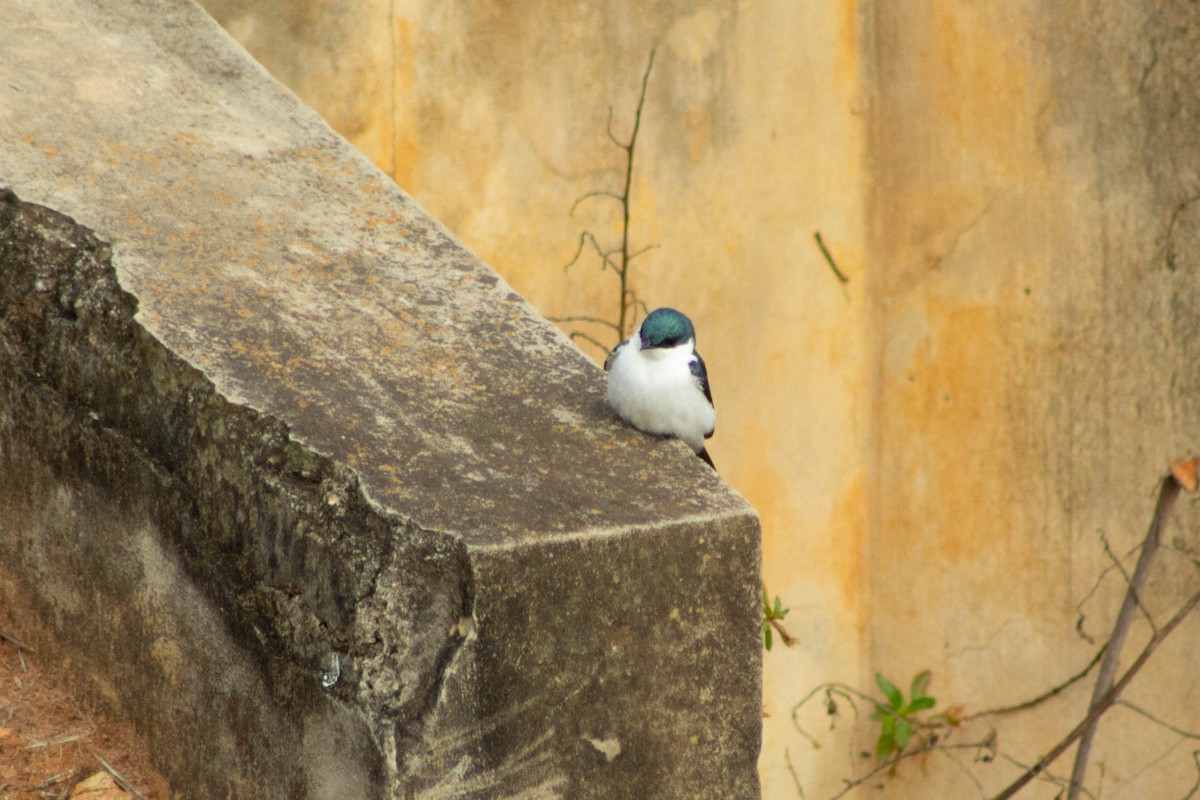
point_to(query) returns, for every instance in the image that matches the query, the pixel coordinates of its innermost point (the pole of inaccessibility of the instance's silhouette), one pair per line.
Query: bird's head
(665, 327)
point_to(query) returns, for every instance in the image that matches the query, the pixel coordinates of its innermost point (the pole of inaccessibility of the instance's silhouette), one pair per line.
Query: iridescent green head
(665, 327)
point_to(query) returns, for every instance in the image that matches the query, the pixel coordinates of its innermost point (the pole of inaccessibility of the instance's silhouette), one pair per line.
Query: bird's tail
(707, 458)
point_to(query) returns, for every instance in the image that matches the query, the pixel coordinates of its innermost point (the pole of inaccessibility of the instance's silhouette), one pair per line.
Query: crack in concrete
(948, 252)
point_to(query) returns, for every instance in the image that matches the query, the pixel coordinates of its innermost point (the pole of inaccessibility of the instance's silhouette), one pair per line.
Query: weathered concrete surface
(1013, 191)
(260, 414)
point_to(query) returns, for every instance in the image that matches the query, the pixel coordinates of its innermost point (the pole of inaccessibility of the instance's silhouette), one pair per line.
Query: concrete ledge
(301, 486)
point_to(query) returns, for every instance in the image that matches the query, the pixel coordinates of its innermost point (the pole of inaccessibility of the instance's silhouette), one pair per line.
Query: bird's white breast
(655, 391)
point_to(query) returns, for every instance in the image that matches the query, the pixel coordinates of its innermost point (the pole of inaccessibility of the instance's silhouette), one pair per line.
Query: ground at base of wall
(52, 747)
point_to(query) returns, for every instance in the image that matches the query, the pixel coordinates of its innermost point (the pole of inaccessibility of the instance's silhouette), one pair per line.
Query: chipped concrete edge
(98, 375)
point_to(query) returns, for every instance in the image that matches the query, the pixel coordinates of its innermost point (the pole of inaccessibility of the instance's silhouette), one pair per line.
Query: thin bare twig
(639, 252)
(1104, 703)
(788, 639)
(847, 693)
(618, 258)
(1116, 564)
(1161, 722)
(905, 755)
(1046, 775)
(597, 193)
(1044, 696)
(1108, 551)
(612, 137)
(1182, 476)
(829, 259)
(51, 781)
(787, 757)
(1195, 786)
(623, 273)
(605, 257)
(17, 643)
(965, 770)
(120, 779)
(1168, 493)
(584, 318)
(42, 745)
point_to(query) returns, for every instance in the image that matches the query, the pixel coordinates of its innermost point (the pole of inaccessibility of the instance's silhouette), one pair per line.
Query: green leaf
(887, 725)
(766, 635)
(894, 697)
(903, 734)
(920, 684)
(919, 704)
(885, 745)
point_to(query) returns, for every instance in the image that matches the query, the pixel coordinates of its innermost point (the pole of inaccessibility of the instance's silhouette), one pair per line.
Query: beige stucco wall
(934, 445)
(1035, 353)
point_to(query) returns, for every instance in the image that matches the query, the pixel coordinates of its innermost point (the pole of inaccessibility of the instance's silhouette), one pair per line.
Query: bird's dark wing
(700, 374)
(608, 361)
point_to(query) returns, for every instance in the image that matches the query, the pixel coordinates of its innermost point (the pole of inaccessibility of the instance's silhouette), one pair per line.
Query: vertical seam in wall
(392, 132)
(869, 73)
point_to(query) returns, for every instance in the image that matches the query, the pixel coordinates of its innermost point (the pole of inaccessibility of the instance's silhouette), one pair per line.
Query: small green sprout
(771, 617)
(898, 720)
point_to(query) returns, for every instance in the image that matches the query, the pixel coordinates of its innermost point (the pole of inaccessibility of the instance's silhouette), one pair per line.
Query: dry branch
(1168, 493)
(1105, 702)
(617, 258)
(829, 259)
(17, 643)
(1182, 475)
